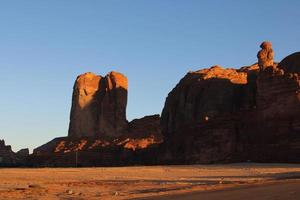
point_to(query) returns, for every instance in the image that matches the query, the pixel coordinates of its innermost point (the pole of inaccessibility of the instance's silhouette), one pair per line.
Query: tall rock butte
(99, 105)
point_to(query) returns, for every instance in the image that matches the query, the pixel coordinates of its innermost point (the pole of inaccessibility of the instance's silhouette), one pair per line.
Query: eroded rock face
(99, 105)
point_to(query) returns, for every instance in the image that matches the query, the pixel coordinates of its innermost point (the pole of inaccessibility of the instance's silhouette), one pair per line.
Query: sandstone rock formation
(265, 56)
(99, 105)
(227, 115)
(213, 115)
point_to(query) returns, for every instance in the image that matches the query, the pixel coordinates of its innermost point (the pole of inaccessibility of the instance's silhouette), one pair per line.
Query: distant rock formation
(227, 115)
(99, 105)
(10, 158)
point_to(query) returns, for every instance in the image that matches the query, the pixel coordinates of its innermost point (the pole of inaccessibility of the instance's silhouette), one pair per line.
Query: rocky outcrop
(99, 105)
(10, 158)
(227, 115)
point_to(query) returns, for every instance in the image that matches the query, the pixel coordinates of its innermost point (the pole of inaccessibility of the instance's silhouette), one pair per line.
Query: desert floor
(232, 181)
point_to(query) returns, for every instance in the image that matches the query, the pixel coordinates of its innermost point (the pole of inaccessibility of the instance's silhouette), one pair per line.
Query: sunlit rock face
(99, 105)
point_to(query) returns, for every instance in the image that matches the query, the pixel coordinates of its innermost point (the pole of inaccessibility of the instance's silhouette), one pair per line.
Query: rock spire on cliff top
(265, 56)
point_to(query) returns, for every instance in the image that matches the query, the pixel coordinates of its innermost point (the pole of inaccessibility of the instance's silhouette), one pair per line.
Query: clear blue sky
(44, 45)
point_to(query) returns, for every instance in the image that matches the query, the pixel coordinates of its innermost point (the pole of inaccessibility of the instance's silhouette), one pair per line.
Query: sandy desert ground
(232, 181)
